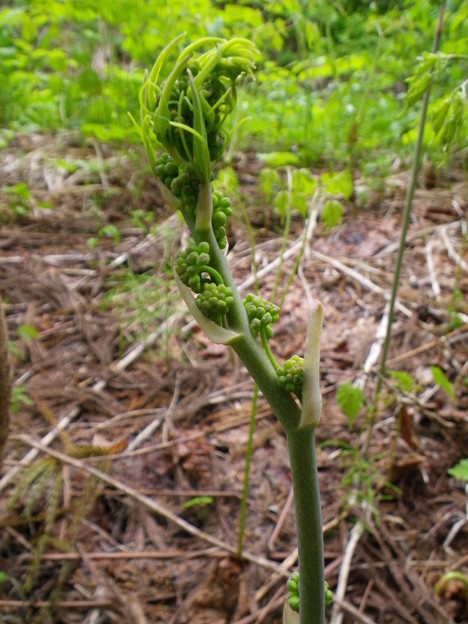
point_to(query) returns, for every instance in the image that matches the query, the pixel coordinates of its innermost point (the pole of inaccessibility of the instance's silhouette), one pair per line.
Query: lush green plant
(184, 105)
(330, 84)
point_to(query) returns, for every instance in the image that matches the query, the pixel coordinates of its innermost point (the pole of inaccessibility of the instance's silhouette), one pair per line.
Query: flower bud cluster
(293, 588)
(184, 110)
(193, 268)
(218, 98)
(262, 314)
(291, 375)
(191, 264)
(181, 180)
(215, 300)
(222, 209)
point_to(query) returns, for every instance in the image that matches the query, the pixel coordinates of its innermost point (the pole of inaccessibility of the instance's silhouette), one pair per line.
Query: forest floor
(121, 485)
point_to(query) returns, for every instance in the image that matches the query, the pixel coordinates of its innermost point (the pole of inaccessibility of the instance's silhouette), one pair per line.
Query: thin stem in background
(5, 383)
(286, 231)
(404, 231)
(248, 462)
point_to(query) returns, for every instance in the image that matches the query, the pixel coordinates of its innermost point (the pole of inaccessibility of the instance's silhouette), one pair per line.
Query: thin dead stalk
(356, 534)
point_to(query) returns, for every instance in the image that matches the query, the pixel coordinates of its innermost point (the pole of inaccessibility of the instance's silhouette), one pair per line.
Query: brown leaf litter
(132, 413)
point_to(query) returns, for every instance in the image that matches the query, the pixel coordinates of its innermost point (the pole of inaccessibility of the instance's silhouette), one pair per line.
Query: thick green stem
(301, 441)
(303, 458)
(238, 57)
(249, 350)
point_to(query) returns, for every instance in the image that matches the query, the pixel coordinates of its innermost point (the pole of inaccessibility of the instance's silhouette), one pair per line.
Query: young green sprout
(185, 105)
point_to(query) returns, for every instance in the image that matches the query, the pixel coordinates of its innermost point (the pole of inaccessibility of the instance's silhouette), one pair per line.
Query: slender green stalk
(302, 452)
(303, 458)
(404, 231)
(248, 463)
(286, 231)
(5, 384)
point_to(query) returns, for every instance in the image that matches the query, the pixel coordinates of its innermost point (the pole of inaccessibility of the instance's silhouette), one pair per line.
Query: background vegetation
(331, 80)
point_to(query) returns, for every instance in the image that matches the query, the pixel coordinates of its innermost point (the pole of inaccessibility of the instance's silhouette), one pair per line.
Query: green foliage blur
(330, 85)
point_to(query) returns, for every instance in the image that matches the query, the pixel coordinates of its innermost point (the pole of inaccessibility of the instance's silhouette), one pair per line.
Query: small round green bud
(191, 264)
(219, 219)
(176, 187)
(215, 300)
(293, 588)
(261, 313)
(171, 169)
(291, 374)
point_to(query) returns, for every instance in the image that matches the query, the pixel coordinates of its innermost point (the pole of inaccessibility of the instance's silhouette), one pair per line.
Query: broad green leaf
(270, 181)
(28, 332)
(460, 470)
(338, 183)
(455, 120)
(299, 201)
(20, 190)
(282, 202)
(304, 181)
(441, 380)
(351, 400)
(332, 213)
(279, 159)
(421, 79)
(439, 114)
(403, 380)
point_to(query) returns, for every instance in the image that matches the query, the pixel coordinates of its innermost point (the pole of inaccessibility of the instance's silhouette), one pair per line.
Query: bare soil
(121, 486)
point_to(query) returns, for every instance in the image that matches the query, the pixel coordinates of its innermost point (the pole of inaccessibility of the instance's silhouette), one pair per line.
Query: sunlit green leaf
(304, 181)
(441, 380)
(279, 159)
(460, 470)
(28, 332)
(351, 400)
(198, 501)
(439, 114)
(403, 380)
(338, 183)
(270, 181)
(332, 213)
(282, 202)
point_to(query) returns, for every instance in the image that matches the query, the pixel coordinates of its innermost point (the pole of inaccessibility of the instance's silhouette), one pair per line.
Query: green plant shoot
(185, 103)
